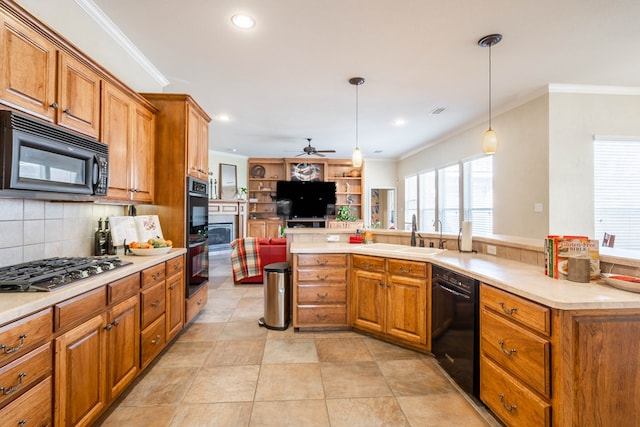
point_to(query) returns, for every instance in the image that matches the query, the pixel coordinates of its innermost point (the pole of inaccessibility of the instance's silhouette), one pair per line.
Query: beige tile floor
(225, 370)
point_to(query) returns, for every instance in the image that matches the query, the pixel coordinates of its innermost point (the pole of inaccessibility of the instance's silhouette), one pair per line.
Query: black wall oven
(455, 327)
(198, 244)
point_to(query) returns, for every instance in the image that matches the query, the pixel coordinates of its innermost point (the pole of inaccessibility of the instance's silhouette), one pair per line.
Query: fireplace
(220, 235)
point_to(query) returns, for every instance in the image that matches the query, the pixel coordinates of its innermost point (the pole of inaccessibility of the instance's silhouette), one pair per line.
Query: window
(478, 194)
(427, 200)
(449, 198)
(616, 198)
(410, 199)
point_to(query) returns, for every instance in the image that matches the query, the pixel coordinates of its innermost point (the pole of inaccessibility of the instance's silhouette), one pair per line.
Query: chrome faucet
(441, 241)
(414, 228)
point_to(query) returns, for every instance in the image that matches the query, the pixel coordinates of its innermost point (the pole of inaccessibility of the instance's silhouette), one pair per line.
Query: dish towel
(245, 258)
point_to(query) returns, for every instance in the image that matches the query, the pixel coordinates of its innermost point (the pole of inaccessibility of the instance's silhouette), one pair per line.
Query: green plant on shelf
(345, 214)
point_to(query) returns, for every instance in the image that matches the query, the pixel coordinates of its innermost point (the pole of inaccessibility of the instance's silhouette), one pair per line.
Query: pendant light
(490, 140)
(356, 158)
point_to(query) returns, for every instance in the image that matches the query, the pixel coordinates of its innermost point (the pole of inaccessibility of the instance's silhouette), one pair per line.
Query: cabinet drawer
(517, 350)
(321, 260)
(511, 401)
(153, 303)
(20, 336)
(407, 268)
(32, 408)
(153, 275)
(123, 288)
(530, 314)
(196, 303)
(80, 308)
(322, 294)
(322, 275)
(369, 263)
(322, 316)
(174, 266)
(152, 340)
(22, 373)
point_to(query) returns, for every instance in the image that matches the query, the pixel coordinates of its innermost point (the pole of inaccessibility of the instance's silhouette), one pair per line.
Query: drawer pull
(326, 294)
(156, 276)
(322, 316)
(367, 265)
(504, 350)
(508, 311)
(6, 391)
(199, 301)
(323, 278)
(156, 341)
(406, 270)
(22, 422)
(322, 262)
(6, 350)
(155, 304)
(505, 405)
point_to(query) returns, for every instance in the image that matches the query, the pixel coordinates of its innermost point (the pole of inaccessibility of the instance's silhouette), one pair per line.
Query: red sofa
(271, 250)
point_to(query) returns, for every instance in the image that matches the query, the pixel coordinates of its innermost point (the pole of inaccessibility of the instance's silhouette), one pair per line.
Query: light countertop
(526, 280)
(14, 305)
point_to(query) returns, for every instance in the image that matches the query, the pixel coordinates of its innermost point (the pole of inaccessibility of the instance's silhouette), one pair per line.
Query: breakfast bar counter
(525, 280)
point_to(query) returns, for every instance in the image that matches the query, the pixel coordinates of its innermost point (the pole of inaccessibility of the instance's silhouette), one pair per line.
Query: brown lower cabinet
(66, 364)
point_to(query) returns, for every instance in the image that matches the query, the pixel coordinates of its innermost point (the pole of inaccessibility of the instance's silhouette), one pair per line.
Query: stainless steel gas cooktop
(52, 273)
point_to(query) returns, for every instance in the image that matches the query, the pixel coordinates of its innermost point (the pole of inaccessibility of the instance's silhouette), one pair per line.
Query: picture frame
(228, 181)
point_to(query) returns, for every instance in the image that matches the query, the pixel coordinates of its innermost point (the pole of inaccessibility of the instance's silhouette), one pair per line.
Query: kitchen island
(567, 353)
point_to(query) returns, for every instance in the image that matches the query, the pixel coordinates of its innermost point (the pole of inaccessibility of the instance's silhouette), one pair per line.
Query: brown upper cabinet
(129, 130)
(197, 143)
(30, 64)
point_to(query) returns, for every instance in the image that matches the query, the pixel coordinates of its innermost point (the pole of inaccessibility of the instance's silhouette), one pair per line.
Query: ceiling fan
(311, 151)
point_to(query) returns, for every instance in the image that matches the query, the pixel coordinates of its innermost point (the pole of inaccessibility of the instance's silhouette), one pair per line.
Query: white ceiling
(287, 79)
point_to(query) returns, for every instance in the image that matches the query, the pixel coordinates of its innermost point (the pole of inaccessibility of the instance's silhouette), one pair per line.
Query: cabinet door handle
(381, 284)
(508, 311)
(505, 405)
(156, 341)
(54, 105)
(22, 423)
(67, 111)
(7, 350)
(504, 350)
(171, 287)
(107, 327)
(6, 391)
(155, 304)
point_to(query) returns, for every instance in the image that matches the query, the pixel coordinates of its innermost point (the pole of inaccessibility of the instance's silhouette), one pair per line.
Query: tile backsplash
(36, 229)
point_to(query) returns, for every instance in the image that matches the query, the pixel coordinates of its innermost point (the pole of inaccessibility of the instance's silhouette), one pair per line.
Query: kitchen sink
(396, 250)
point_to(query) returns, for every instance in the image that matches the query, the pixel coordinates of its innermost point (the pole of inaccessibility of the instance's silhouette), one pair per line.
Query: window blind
(478, 194)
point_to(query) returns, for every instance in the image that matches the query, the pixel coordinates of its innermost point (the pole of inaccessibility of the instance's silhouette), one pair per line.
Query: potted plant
(242, 193)
(344, 214)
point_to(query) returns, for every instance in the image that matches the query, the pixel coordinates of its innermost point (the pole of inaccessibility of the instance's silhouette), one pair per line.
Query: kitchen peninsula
(578, 344)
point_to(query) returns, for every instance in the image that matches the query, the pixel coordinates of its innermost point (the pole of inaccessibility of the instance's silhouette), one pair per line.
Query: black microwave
(40, 160)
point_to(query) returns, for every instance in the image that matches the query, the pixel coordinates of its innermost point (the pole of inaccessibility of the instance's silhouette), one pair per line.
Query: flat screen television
(305, 199)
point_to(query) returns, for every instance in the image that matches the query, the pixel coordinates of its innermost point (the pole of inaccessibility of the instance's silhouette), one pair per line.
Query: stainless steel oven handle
(456, 293)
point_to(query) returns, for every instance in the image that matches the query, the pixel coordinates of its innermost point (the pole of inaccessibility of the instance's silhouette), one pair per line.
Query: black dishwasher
(454, 327)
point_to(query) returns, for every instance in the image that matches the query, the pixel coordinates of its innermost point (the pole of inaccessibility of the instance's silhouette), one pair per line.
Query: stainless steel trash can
(277, 296)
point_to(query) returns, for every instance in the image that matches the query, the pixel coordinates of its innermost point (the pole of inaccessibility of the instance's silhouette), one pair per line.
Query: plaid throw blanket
(245, 258)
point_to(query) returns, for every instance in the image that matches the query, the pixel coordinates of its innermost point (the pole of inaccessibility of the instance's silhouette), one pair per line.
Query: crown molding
(119, 37)
(593, 89)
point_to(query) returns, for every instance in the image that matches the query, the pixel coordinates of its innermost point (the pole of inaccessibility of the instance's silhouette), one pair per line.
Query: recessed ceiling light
(399, 122)
(222, 118)
(244, 22)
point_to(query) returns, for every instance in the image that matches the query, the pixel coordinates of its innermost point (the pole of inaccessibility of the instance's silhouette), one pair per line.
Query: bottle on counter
(108, 239)
(99, 240)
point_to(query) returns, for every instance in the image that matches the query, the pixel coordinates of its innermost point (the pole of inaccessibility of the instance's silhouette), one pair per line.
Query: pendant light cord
(357, 85)
(489, 86)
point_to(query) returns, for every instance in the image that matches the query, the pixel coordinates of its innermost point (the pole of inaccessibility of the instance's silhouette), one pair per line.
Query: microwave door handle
(95, 174)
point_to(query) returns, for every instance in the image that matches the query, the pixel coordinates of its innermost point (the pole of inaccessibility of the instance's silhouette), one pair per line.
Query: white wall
(574, 121)
(520, 167)
(217, 157)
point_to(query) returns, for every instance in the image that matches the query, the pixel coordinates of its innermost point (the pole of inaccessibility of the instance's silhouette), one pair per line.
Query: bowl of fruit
(155, 246)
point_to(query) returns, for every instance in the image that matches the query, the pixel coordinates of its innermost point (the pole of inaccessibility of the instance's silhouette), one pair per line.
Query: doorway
(383, 208)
